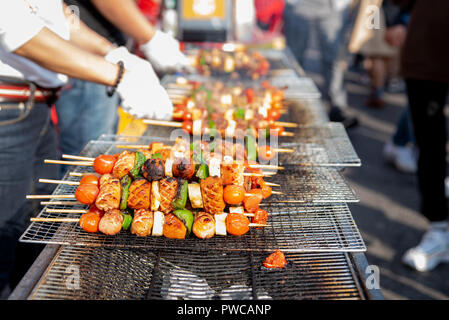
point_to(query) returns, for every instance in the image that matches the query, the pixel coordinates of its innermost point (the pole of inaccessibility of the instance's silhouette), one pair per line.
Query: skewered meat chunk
(183, 168)
(125, 163)
(142, 223)
(153, 169)
(212, 192)
(139, 194)
(111, 223)
(174, 228)
(110, 193)
(232, 174)
(204, 225)
(168, 189)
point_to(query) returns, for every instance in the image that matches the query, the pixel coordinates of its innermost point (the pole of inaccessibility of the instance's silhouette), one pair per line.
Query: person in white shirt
(118, 21)
(37, 45)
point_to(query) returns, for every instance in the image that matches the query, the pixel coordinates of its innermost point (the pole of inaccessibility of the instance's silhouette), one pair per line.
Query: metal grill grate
(324, 145)
(143, 274)
(294, 228)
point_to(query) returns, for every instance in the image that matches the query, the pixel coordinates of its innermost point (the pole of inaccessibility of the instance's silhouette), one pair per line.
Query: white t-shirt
(20, 21)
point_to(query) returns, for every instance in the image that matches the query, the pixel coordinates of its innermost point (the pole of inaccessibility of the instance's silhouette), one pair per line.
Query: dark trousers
(24, 144)
(427, 100)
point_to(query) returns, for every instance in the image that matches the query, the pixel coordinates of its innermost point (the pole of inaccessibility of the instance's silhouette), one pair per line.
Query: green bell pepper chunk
(140, 160)
(202, 61)
(127, 220)
(251, 148)
(125, 183)
(239, 113)
(181, 198)
(156, 156)
(186, 217)
(203, 171)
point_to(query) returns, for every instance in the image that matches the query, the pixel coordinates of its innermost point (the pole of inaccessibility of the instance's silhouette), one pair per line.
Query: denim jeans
(404, 131)
(85, 112)
(23, 147)
(331, 27)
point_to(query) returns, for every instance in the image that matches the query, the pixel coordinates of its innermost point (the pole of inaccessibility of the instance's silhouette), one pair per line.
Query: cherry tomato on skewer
(104, 164)
(252, 200)
(89, 222)
(237, 224)
(187, 126)
(266, 153)
(90, 179)
(234, 194)
(87, 193)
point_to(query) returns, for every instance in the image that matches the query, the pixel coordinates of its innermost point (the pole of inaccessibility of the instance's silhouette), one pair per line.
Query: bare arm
(126, 16)
(56, 54)
(84, 37)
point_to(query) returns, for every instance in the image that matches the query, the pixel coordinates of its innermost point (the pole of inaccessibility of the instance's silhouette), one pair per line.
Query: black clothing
(427, 100)
(97, 22)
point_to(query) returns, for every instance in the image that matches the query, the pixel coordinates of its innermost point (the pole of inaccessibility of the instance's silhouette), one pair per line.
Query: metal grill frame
(171, 274)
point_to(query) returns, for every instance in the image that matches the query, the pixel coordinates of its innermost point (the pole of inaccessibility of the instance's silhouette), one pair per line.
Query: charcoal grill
(173, 274)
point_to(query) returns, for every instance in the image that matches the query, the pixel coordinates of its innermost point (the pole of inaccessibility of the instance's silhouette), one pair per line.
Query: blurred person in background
(425, 68)
(379, 56)
(43, 51)
(400, 150)
(330, 18)
(84, 111)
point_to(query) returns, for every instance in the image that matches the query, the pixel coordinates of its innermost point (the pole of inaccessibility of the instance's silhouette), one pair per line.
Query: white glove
(140, 89)
(143, 97)
(131, 61)
(164, 53)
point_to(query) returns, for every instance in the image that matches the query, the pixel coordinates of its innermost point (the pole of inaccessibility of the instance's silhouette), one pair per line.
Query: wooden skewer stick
(70, 183)
(271, 184)
(286, 124)
(276, 192)
(162, 123)
(265, 166)
(51, 196)
(78, 174)
(60, 203)
(66, 210)
(68, 156)
(68, 220)
(69, 163)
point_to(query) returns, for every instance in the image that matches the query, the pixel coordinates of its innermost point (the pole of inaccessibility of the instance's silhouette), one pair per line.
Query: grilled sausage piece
(168, 189)
(183, 168)
(111, 223)
(153, 169)
(212, 192)
(139, 194)
(110, 193)
(204, 225)
(232, 174)
(142, 223)
(174, 228)
(125, 163)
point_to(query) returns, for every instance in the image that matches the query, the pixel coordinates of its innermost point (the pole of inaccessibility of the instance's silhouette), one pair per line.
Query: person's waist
(10, 92)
